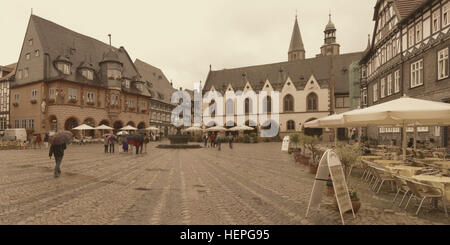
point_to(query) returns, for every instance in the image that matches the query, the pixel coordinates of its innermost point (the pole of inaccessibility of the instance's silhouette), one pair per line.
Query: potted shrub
(356, 203)
(33, 101)
(246, 139)
(51, 101)
(73, 100)
(349, 155)
(15, 104)
(295, 138)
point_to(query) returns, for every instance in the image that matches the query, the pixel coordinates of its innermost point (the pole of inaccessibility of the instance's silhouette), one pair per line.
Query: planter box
(33, 101)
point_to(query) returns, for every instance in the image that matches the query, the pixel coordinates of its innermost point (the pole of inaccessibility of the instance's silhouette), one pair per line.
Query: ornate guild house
(64, 79)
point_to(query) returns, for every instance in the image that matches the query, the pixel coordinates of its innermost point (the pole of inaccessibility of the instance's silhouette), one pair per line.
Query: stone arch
(53, 123)
(117, 125)
(131, 123)
(141, 125)
(104, 122)
(91, 122)
(70, 123)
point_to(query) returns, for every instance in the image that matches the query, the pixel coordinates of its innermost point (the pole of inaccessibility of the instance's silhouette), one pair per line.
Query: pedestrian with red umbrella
(58, 146)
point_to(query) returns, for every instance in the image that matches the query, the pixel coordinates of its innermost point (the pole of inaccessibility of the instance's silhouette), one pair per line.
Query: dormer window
(127, 83)
(114, 74)
(30, 42)
(88, 74)
(63, 67)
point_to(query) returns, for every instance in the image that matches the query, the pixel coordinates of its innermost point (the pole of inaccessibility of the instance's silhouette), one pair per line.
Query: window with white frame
(397, 81)
(27, 56)
(114, 74)
(30, 42)
(127, 83)
(90, 97)
(143, 105)
(31, 123)
(411, 37)
(417, 74)
(443, 64)
(24, 123)
(16, 124)
(88, 74)
(419, 129)
(375, 92)
(445, 10)
(382, 88)
(389, 85)
(394, 48)
(419, 32)
(36, 53)
(34, 94)
(389, 51)
(64, 68)
(131, 103)
(52, 93)
(73, 94)
(436, 21)
(25, 73)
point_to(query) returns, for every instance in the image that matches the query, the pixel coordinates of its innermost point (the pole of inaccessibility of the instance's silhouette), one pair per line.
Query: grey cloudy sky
(184, 37)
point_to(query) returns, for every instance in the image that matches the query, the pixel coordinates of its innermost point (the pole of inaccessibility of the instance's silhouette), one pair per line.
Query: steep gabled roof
(11, 69)
(155, 80)
(298, 71)
(407, 7)
(57, 41)
(296, 39)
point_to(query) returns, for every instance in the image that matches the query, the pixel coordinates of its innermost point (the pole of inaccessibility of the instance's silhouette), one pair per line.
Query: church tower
(296, 49)
(331, 47)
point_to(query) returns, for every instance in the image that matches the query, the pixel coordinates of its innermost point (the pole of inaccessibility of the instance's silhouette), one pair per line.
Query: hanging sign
(330, 165)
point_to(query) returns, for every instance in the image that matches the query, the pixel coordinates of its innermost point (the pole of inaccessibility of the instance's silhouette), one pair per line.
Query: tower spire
(296, 48)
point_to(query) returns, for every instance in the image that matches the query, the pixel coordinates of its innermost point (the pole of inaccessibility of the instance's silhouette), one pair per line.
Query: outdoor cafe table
(389, 162)
(443, 164)
(407, 171)
(438, 181)
(371, 158)
(430, 160)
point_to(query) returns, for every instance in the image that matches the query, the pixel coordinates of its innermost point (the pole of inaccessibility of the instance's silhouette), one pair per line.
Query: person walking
(213, 140)
(33, 141)
(230, 140)
(58, 152)
(111, 142)
(46, 140)
(205, 139)
(219, 141)
(125, 144)
(39, 140)
(106, 144)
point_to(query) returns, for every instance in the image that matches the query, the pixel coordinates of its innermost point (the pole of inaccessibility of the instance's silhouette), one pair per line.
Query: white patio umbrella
(103, 127)
(152, 129)
(122, 133)
(404, 111)
(216, 129)
(241, 128)
(128, 128)
(193, 129)
(82, 128)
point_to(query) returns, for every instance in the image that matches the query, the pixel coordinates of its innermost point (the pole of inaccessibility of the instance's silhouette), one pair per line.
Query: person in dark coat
(106, 144)
(58, 152)
(46, 140)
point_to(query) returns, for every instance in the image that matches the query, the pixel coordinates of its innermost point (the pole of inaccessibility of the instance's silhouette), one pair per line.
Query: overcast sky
(184, 37)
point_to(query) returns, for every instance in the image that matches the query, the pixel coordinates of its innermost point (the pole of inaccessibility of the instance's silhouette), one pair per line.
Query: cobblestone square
(252, 184)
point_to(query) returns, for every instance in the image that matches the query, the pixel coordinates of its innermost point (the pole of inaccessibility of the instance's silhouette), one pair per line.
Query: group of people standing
(36, 141)
(214, 140)
(125, 143)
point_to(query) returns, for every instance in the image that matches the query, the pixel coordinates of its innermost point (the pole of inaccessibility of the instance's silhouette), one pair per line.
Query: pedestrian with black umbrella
(58, 146)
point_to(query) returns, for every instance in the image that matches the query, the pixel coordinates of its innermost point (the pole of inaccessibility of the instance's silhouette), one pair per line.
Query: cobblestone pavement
(253, 184)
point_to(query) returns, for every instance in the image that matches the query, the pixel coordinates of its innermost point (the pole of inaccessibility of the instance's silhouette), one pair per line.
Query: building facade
(408, 56)
(64, 79)
(6, 76)
(308, 88)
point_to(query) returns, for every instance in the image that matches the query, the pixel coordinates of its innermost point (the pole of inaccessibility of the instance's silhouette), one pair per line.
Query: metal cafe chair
(423, 191)
(401, 186)
(383, 176)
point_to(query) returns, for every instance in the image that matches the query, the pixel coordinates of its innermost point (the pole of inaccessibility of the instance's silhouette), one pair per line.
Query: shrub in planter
(33, 101)
(246, 139)
(356, 203)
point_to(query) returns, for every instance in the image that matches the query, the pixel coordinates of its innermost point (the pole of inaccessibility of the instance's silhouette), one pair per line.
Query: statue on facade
(43, 106)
